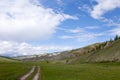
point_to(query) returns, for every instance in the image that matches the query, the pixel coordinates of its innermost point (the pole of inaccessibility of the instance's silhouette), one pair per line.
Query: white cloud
(26, 20)
(59, 2)
(85, 8)
(82, 37)
(103, 7)
(76, 30)
(66, 37)
(92, 27)
(14, 49)
(87, 36)
(80, 34)
(115, 31)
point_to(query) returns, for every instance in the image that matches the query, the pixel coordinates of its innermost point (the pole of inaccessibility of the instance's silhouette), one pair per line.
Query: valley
(59, 39)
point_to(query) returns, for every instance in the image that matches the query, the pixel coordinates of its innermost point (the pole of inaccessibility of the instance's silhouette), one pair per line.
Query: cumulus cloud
(26, 20)
(103, 7)
(9, 48)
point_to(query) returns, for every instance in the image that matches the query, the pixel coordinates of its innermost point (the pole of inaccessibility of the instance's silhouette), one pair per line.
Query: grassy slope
(96, 71)
(4, 59)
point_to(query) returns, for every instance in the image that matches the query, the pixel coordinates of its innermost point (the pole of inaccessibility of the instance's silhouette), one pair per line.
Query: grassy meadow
(13, 70)
(49, 71)
(96, 71)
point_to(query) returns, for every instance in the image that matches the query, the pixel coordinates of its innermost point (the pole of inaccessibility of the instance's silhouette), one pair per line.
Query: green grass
(4, 59)
(97, 71)
(85, 71)
(13, 70)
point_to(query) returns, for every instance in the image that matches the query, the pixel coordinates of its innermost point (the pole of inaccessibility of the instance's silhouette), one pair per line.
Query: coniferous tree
(116, 37)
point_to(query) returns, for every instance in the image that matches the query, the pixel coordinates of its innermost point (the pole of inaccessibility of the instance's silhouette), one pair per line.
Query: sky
(29, 27)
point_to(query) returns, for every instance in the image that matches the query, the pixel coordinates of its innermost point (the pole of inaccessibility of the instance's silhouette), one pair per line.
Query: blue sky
(42, 26)
(82, 9)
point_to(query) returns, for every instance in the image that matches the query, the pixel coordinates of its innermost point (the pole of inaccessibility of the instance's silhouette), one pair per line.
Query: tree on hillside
(116, 37)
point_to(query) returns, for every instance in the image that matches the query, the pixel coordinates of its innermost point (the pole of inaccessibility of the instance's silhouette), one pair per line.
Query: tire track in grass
(32, 75)
(37, 75)
(28, 74)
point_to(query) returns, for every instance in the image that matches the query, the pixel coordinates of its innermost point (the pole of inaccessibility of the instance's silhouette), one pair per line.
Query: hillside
(4, 59)
(65, 56)
(108, 51)
(105, 52)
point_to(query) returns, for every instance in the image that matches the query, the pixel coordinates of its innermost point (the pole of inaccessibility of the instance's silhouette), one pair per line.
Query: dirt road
(37, 76)
(28, 74)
